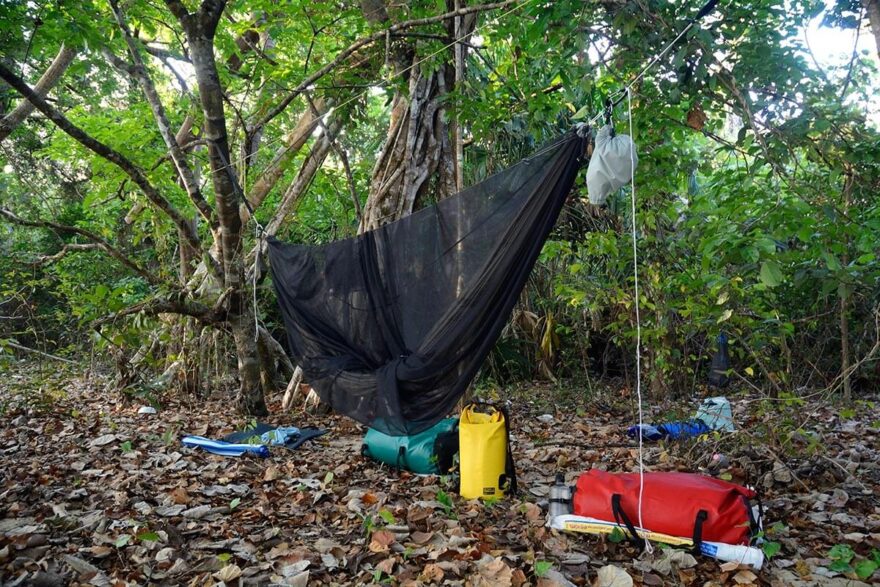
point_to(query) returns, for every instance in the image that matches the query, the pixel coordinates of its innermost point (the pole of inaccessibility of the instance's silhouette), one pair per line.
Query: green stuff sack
(428, 452)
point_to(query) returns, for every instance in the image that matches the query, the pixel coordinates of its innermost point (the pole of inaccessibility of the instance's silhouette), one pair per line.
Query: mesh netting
(391, 326)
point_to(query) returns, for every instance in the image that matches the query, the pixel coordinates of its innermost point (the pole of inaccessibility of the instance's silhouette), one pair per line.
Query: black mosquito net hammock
(391, 326)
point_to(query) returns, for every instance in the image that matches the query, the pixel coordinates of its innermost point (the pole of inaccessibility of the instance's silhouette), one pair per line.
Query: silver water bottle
(560, 497)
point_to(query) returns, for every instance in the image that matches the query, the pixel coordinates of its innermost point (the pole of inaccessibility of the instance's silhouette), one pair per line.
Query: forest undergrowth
(91, 492)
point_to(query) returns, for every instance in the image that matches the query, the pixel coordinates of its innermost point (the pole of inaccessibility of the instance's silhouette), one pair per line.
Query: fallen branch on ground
(20, 347)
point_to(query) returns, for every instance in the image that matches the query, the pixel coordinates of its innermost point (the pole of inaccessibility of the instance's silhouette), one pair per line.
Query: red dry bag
(678, 504)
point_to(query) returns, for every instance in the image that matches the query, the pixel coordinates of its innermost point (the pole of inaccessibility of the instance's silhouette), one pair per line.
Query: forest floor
(92, 492)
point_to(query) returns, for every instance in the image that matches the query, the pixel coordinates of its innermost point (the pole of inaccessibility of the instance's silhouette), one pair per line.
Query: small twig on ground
(776, 458)
(747, 382)
(542, 444)
(847, 473)
(15, 345)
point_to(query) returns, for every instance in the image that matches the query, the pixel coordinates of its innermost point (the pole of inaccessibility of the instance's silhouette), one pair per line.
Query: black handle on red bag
(756, 525)
(623, 520)
(702, 516)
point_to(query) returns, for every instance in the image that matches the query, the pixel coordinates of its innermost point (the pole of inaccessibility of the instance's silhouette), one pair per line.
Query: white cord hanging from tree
(635, 248)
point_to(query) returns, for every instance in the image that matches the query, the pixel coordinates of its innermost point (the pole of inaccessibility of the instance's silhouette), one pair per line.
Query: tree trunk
(200, 30)
(844, 346)
(419, 148)
(457, 140)
(873, 9)
(844, 304)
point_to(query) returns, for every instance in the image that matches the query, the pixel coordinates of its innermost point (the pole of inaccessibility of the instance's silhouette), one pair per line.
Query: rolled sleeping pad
(744, 555)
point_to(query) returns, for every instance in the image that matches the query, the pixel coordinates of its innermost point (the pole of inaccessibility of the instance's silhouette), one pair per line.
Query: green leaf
(387, 516)
(771, 548)
(616, 535)
(148, 537)
(766, 244)
(234, 503)
(865, 568)
(541, 568)
(831, 261)
(491, 501)
(771, 274)
(841, 552)
(725, 316)
(840, 566)
(444, 498)
(582, 113)
(367, 524)
(126, 446)
(122, 540)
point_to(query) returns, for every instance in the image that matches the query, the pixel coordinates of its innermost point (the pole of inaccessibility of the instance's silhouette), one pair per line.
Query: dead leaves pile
(94, 493)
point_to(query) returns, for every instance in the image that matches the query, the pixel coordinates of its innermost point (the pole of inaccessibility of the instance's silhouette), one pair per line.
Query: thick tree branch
(209, 15)
(184, 87)
(118, 63)
(293, 142)
(68, 248)
(184, 171)
(168, 305)
(99, 242)
(19, 347)
(375, 37)
(296, 190)
(178, 10)
(105, 151)
(306, 174)
(340, 152)
(227, 192)
(162, 53)
(44, 85)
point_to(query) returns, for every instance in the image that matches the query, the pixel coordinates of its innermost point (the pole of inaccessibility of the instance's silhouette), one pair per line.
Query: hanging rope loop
(609, 111)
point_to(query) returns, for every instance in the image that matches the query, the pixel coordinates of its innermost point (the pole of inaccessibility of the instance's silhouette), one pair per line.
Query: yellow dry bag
(485, 460)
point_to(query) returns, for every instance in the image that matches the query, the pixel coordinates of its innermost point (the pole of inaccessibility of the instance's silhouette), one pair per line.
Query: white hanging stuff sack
(611, 166)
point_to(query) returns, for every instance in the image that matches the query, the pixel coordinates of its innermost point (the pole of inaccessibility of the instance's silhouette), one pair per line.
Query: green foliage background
(756, 192)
